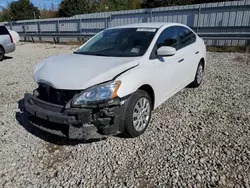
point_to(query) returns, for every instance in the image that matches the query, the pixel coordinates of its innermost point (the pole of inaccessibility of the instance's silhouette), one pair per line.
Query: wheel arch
(1, 46)
(150, 91)
(203, 62)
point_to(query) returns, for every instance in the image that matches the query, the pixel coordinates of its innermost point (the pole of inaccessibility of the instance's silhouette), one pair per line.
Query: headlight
(97, 94)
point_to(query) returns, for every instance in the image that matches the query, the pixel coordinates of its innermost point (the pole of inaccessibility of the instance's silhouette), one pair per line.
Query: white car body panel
(9, 48)
(5, 40)
(15, 36)
(6, 44)
(78, 72)
(166, 75)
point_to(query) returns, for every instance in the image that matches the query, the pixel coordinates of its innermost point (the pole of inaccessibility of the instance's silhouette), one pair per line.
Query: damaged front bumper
(75, 123)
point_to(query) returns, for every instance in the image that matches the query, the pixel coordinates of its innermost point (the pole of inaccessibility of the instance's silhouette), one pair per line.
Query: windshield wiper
(91, 53)
(99, 54)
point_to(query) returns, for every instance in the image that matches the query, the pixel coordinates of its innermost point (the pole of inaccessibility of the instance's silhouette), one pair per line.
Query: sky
(39, 3)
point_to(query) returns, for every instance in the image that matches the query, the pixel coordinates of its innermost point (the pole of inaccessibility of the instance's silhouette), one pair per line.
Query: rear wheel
(198, 76)
(1, 53)
(138, 114)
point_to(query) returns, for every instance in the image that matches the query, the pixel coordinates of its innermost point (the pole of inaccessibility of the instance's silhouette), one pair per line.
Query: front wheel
(138, 114)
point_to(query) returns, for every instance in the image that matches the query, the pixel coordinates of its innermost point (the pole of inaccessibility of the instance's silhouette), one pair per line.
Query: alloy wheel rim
(199, 74)
(141, 114)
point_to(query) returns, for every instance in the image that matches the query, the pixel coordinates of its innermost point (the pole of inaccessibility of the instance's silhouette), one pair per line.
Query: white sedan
(113, 82)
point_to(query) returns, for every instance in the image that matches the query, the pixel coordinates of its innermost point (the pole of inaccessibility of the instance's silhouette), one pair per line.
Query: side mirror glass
(166, 51)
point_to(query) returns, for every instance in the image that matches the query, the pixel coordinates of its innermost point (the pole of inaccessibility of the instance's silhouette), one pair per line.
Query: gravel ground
(198, 138)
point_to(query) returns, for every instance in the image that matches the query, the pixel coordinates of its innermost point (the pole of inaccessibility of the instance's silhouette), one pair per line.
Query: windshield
(122, 42)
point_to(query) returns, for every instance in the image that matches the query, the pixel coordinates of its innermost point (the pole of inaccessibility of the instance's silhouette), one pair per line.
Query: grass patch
(239, 58)
(240, 49)
(72, 43)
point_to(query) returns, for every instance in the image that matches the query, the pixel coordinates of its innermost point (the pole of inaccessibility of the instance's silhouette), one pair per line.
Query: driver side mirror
(166, 51)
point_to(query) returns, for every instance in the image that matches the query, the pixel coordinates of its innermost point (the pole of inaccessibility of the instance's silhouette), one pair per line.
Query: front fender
(132, 80)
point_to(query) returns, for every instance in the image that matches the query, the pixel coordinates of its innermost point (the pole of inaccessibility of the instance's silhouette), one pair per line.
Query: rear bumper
(9, 48)
(74, 123)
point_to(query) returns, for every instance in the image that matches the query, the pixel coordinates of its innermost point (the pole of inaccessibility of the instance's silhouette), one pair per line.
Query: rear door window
(3, 30)
(186, 37)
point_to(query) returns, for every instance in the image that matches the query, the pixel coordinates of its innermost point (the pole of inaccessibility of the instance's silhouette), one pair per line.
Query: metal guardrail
(225, 36)
(84, 36)
(56, 36)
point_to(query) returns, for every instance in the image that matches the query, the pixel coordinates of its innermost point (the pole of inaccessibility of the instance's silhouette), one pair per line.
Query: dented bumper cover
(75, 123)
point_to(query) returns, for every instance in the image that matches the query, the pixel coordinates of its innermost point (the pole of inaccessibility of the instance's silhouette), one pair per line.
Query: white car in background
(8, 39)
(113, 82)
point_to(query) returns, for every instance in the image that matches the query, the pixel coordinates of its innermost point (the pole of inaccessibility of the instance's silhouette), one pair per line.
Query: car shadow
(7, 57)
(22, 119)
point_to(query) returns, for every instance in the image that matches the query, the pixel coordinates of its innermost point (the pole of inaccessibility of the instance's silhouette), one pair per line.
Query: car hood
(77, 72)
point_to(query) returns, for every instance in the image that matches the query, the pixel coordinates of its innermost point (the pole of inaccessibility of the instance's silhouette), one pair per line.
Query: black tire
(1, 53)
(130, 130)
(197, 82)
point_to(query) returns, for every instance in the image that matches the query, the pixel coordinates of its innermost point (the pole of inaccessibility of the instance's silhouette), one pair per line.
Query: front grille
(55, 96)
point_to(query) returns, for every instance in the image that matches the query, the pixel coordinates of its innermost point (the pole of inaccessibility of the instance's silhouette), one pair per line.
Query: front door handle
(197, 52)
(181, 60)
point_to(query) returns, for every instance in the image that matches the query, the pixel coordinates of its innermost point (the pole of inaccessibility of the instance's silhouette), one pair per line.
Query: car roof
(148, 25)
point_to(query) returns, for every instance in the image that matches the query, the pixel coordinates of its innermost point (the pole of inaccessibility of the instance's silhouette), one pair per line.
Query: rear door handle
(180, 60)
(197, 52)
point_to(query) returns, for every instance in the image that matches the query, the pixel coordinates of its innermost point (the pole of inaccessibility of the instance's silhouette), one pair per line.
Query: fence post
(110, 20)
(79, 27)
(151, 15)
(11, 25)
(106, 22)
(39, 29)
(24, 30)
(58, 31)
(198, 19)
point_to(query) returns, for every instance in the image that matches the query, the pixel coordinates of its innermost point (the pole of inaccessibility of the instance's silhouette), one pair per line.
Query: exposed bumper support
(75, 123)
